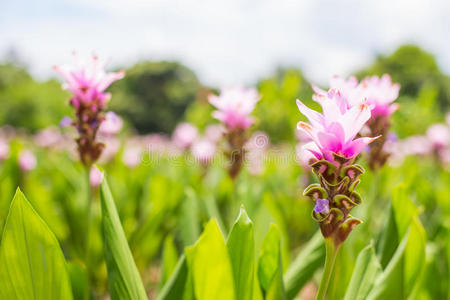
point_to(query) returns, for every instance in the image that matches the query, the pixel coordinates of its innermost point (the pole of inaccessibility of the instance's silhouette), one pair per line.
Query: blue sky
(225, 42)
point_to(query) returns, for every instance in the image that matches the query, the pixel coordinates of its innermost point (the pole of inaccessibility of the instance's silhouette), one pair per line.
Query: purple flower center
(322, 206)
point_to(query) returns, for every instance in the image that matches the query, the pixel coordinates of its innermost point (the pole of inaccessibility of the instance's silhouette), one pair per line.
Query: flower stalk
(330, 260)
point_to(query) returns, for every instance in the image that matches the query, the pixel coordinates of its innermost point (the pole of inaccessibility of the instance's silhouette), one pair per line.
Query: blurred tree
(29, 104)
(276, 112)
(153, 96)
(413, 68)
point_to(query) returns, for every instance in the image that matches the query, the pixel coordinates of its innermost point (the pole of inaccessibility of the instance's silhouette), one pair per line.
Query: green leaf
(310, 258)
(402, 275)
(366, 270)
(169, 259)
(404, 209)
(210, 265)
(270, 268)
(79, 281)
(241, 248)
(175, 286)
(31, 261)
(388, 241)
(123, 275)
(189, 224)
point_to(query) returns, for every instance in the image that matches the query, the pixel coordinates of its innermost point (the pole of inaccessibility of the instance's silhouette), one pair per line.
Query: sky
(226, 43)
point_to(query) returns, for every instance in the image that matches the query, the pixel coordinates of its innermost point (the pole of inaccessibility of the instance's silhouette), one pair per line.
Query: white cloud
(227, 42)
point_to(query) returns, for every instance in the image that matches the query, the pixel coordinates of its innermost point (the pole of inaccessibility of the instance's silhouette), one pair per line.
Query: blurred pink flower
(203, 150)
(4, 149)
(439, 135)
(131, 156)
(48, 137)
(87, 80)
(256, 148)
(234, 107)
(111, 125)
(214, 132)
(27, 160)
(379, 94)
(184, 135)
(334, 130)
(95, 176)
(112, 146)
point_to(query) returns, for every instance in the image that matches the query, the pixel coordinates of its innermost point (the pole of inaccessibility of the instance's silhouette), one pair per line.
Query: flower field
(284, 190)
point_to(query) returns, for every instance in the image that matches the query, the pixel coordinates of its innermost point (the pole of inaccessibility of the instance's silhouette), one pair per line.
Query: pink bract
(87, 80)
(234, 106)
(334, 130)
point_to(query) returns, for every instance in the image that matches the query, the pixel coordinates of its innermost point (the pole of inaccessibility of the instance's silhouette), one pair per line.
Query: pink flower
(132, 156)
(48, 137)
(335, 129)
(184, 135)
(95, 176)
(87, 80)
(439, 135)
(379, 93)
(27, 160)
(203, 150)
(234, 107)
(111, 125)
(4, 149)
(214, 132)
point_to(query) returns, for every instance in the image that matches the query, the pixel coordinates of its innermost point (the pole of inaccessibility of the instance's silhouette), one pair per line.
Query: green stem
(88, 218)
(330, 259)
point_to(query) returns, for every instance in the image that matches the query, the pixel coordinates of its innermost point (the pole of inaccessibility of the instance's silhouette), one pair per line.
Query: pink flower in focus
(4, 149)
(234, 107)
(111, 125)
(87, 80)
(27, 160)
(184, 135)
(203, 150)
(335, 129)
(95, 176)
(439, 135)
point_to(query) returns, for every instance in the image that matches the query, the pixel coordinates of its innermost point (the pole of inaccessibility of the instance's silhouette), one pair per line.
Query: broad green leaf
(270, 270)
(31, 261)
(169, 259)
(241, 248)
(342, 273)
(123, 275)
(366, 270)
(310, 258)
(175, 286)
(210, 265)
(79, 281)
(388, 241)
(404, 209)
(402, 275)
(190, 228)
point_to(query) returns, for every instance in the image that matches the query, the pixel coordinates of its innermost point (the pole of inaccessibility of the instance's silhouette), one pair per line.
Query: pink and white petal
(328, 141)
(308, 130)
(312, 148)
(313, 116)
(354, 119)
(355, 147)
